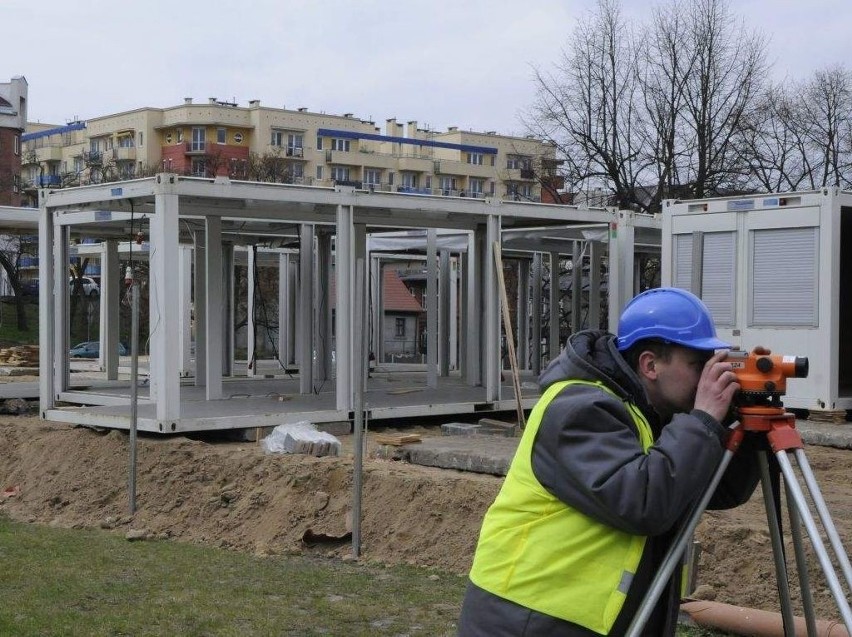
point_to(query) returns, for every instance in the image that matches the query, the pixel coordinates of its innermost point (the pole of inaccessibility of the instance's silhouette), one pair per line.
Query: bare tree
(723, 84)
(12, 248)
(270, 166)
(826, 106)
(667, 63)
(774, 141)
(589, 109)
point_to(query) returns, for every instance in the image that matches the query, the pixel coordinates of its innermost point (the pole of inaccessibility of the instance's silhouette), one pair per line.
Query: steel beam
(185, 308)
(110, 302)
(163, 312)
(47, 310)
(213, 314)
(306, 314)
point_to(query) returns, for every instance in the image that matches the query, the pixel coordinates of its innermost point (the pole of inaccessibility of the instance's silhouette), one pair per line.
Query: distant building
(403, 314)
(259, 143)
(13, 119)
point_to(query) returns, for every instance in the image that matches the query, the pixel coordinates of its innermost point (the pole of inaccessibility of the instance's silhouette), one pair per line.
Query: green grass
(86, 326)
(61, 582)
(9, 332)
(73, 582)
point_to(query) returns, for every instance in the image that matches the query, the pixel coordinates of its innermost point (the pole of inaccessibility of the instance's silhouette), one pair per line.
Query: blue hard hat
(668, 314)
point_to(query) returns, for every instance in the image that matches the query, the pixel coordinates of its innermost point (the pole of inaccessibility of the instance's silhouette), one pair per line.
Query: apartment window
(78, 164)
(400, 328)
(238, 138)
(141, 138)
(409, 180)
(372, 176)
(126, 141)
(277, 138)
(16, 183)
(295, 143)
(297, 170)
(199, 135)
(94, 145)
(340, 173)
(428, 185)
(447, 184)
(199, 167)
(319, 142)
(221, 135)
(474, 158)
(390, 178)
(341, 145)
(16, 140)
(319, 173)
(179, 133)
(518, 162)
(519, 191)
(476, 186)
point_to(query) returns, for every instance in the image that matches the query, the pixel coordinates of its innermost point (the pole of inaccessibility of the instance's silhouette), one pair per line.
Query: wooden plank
(397, 439)
(510, 339)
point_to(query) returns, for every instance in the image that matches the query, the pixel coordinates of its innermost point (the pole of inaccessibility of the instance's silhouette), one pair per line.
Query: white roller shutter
(719, 275)
(682, 266)
(784, 286)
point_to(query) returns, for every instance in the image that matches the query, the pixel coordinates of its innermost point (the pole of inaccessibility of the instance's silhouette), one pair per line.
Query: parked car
(29, 287)
(92, 349)
(88, 285)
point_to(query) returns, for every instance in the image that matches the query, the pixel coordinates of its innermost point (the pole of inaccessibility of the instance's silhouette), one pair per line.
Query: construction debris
(397, 440)
(19, 356)
(301, 437)
(835, 416)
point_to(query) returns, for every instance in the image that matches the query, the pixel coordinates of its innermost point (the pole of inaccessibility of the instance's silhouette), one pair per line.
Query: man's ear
(647, 365)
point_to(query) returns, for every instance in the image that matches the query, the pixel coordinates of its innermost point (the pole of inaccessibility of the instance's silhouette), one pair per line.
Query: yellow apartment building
(259, 143)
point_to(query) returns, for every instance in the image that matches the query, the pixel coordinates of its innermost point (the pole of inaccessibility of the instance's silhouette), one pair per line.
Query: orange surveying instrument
(758, 408)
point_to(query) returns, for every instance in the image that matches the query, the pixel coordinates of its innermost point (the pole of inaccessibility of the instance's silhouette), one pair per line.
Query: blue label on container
(741, 204)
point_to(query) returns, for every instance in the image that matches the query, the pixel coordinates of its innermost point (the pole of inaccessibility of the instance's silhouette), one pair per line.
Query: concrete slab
(826, 434)
(493, 454)
(459, 429)
(480, 454)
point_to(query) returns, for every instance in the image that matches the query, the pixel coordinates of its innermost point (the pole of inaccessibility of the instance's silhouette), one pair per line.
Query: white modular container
(775, 270)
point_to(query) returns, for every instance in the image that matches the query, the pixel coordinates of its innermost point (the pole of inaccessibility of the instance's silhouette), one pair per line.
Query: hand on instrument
(716, 387)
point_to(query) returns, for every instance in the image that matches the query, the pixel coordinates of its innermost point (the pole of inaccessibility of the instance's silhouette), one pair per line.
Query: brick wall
(10, 165)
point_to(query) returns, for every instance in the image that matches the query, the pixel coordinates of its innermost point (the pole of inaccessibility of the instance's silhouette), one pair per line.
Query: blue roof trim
(348, 134)
(54, 131)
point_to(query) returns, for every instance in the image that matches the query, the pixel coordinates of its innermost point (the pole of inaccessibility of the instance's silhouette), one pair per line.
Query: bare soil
(233, 495)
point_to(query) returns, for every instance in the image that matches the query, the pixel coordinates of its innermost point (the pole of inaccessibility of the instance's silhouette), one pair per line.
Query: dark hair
(661, 349)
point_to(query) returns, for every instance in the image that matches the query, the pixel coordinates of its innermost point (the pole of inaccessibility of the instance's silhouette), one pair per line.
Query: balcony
(49, 153)
(414, 191)
(195, 148)
(124, 153)
(296, 151)
(348, 182)
(416, 164)
(49, 180)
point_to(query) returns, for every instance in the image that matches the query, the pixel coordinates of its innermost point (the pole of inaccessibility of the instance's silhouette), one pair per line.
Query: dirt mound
(233, 495)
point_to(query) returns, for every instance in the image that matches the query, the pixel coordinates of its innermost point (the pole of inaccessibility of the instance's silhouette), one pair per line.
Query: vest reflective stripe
(542, 554)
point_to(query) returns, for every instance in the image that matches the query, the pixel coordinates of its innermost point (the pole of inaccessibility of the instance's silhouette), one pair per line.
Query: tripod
(778, 427)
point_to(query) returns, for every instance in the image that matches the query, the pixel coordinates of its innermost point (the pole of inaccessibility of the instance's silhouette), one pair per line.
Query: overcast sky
(443, 63)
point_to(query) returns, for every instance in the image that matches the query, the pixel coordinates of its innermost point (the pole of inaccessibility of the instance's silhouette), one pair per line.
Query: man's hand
(716, 387)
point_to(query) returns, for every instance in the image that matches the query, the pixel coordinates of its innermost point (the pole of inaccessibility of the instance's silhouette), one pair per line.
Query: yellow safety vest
(538, 552)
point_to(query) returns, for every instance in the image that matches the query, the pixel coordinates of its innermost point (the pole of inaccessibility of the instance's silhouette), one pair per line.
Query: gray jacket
(587, 453)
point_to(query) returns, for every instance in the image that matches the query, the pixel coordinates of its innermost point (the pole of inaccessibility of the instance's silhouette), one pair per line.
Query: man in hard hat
(625, 437)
